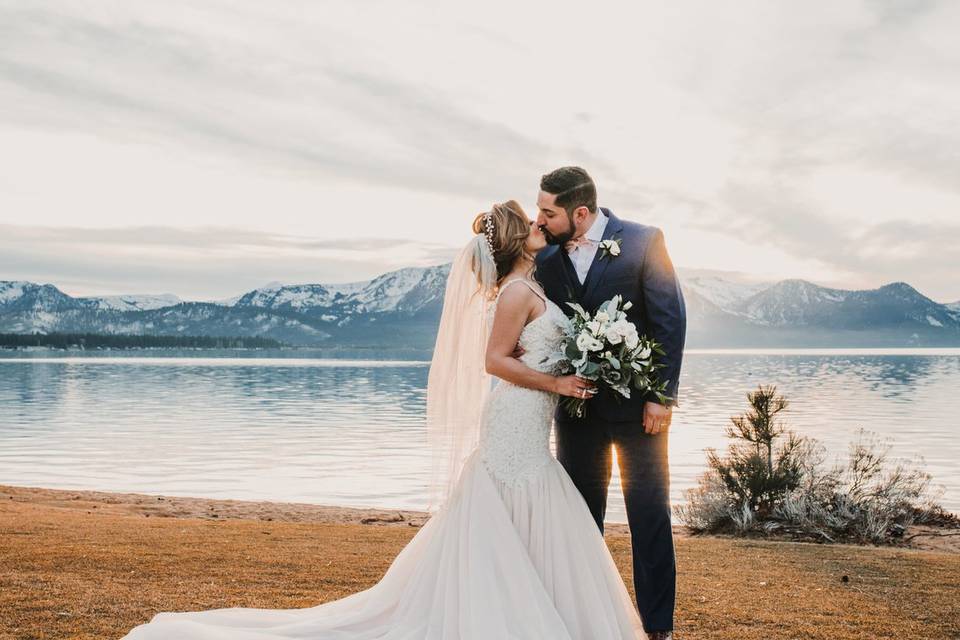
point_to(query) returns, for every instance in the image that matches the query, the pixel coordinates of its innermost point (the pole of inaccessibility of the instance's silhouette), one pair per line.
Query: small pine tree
(757, 471)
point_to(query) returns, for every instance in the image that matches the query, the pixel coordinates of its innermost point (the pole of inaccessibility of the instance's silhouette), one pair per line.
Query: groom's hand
(518, 351)
(656, 417)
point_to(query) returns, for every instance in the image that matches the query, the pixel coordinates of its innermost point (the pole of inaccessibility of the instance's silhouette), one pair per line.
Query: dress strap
(529, 283)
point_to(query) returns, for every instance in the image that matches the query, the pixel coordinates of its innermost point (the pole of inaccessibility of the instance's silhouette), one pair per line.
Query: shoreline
(118, 503)
(162, 506)
(87, 565)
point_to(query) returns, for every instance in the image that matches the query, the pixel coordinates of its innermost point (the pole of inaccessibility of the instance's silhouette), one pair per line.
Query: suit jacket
(642, 274)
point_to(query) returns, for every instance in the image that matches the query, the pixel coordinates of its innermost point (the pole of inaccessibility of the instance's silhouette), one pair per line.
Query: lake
(292, 426)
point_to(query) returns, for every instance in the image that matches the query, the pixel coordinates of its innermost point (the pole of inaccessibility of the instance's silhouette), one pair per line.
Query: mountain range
(401, 309)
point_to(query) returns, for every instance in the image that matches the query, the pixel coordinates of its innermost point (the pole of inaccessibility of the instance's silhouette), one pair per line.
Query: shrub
(772, 480)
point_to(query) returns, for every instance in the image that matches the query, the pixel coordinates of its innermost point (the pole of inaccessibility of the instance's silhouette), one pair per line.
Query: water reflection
(352, 432)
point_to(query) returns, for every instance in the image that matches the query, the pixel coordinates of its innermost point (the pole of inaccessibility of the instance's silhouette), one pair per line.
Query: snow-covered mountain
(26, 307)
(798, 303)
(404, 294)
(799, 312)
(134, 302)
(726, 290)
(402, 308)
(954, 309)
(20, 295)
(790, 302)
(23, 295)
(12, 289)
(399, 309)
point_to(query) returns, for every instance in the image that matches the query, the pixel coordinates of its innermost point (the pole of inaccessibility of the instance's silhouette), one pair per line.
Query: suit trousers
(584, 450)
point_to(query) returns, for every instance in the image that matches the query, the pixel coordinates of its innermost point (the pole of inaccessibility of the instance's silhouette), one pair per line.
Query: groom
(578, 269)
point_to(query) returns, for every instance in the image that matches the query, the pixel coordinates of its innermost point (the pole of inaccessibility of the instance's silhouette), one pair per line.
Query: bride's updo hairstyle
(506, 228)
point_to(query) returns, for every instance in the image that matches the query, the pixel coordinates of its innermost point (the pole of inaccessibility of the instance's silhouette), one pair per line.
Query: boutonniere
(610, 248)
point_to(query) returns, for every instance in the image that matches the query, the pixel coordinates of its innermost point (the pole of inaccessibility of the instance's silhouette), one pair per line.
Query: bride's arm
(516, 305)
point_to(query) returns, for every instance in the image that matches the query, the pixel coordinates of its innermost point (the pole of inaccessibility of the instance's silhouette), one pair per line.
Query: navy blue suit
(644, 275)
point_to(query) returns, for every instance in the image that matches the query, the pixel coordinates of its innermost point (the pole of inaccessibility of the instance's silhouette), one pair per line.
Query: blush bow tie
(582, 241)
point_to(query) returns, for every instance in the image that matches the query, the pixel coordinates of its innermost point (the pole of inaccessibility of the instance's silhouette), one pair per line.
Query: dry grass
(91, 573)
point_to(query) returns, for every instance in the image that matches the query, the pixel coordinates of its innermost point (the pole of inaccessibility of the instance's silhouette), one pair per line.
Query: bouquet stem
(575, 407)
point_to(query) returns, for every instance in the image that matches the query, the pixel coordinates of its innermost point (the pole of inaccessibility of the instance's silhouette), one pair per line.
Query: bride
(511, 550)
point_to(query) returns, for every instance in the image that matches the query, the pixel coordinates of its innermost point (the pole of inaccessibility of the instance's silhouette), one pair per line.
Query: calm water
(351, 432)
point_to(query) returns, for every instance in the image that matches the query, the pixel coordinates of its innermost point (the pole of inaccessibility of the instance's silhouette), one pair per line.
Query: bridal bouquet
(605, 349)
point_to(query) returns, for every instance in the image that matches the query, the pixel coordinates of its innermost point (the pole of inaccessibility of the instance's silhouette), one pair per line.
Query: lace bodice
(515, 428)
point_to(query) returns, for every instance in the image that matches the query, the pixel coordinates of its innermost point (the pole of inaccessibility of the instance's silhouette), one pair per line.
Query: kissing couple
(514, 548)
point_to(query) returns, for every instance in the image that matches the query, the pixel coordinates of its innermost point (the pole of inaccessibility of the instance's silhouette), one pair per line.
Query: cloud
(871, 87)
(200, 263)
(745, 121)
(339, 120)
(917, 252)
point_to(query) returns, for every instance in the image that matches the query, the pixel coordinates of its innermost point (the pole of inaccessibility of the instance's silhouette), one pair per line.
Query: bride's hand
(575, 387)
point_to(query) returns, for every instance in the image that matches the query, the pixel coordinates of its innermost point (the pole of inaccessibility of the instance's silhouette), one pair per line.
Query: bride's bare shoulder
(513, 294)
(518, 303)
(515, 298)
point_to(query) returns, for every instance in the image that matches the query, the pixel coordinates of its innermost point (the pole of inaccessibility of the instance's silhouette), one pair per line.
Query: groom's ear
(579, 214)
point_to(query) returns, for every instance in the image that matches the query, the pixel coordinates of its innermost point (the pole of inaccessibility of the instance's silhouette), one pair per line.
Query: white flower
(586, 342)
(627, 305)
(632, 340)
(619, 330)
(614, 333)
(643, 355)
(602, 316)
(611, 246)
(594, 327)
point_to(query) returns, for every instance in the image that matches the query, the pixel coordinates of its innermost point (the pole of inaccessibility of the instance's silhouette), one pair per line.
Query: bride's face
(536, 240)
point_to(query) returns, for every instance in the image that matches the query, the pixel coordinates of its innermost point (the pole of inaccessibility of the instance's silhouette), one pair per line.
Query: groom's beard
(559, 238)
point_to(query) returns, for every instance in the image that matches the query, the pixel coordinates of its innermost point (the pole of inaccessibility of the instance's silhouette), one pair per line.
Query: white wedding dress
(514, 553)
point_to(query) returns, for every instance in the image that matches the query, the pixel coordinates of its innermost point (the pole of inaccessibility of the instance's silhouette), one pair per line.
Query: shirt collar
(595, 233)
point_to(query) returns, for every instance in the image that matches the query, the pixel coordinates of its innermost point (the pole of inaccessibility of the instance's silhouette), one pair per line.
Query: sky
(205, 149)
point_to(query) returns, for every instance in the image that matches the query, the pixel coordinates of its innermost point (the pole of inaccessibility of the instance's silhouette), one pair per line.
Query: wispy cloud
(312, 113)
(819, 132)
(198, 263)
(865, 254)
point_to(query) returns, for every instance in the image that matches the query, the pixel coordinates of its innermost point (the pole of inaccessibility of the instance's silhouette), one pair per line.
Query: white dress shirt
(582, 255)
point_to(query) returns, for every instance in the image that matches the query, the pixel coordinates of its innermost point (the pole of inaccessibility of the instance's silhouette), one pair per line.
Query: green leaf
(590, 369)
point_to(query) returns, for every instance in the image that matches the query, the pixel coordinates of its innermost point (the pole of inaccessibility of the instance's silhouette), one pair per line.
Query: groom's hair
(573, 188)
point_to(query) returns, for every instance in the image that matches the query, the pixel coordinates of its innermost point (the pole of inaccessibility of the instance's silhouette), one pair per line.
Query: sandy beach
(91, 564)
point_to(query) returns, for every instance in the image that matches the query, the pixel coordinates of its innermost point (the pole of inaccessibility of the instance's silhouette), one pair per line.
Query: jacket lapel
(572, 287)
(600, 262)
(558, 276)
